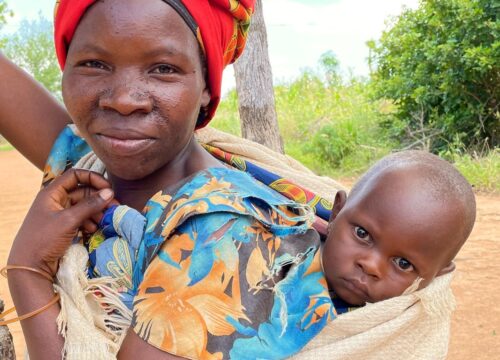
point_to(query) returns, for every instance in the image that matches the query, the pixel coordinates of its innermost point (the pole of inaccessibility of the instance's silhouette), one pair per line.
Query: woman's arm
(30, 292)
(30, 118)
(71, 201)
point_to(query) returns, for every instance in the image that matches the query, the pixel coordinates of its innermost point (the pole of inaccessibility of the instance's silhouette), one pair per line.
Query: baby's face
(386, 237)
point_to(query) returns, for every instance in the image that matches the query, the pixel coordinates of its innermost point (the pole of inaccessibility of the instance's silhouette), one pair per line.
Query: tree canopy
(440, 66)
(4, 14)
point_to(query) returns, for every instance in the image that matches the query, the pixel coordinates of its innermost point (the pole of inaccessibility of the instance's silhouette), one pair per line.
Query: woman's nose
(126, 100)
(372, 265)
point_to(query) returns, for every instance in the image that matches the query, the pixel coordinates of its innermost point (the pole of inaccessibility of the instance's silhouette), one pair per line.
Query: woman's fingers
(76, 215)
(73, 180)
(80, 194)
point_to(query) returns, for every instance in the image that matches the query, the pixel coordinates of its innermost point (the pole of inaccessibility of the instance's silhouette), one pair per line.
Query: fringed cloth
(415, 325)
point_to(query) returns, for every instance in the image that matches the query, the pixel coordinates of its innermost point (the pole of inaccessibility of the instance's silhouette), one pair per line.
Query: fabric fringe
(93, 320)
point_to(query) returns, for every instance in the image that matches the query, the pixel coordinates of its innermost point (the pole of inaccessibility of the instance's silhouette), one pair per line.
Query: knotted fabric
(221, 27)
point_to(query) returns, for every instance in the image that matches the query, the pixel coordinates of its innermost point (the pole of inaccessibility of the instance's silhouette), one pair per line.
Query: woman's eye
(361, 233)
(163, 69)
(403, 264)
(94, 64)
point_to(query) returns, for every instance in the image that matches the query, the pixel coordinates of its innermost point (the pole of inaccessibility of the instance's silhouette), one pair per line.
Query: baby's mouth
(358, 288)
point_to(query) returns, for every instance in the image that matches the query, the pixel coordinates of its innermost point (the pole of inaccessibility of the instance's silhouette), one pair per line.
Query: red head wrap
(221, 27)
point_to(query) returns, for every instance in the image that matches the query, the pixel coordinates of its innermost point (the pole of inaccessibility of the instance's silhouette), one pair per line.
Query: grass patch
(228, 118)
(482, 172)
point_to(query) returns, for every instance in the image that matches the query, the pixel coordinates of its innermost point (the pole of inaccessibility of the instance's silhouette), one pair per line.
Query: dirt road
(476, 322)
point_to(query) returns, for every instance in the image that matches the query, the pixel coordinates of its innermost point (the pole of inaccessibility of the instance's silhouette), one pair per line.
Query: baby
(404, 221)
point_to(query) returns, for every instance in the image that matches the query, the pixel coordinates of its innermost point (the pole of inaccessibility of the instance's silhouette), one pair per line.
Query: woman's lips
(122, 144)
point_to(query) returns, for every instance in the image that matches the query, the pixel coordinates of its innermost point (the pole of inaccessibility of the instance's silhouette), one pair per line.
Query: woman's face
(133, 84)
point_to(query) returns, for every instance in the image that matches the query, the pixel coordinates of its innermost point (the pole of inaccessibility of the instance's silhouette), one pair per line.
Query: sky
(299, 31)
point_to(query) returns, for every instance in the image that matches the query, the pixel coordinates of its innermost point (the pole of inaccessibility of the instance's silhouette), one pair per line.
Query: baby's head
(406, 218)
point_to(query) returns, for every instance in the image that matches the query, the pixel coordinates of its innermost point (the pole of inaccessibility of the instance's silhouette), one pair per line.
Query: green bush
(440, 66)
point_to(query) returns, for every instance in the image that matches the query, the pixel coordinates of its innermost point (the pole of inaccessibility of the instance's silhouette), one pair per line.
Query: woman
(227, 268)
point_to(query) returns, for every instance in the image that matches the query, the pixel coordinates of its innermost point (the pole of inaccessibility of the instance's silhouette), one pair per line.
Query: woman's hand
(71, 202)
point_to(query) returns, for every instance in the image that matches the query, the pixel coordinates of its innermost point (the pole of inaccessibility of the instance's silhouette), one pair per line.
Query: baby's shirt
(113, 248)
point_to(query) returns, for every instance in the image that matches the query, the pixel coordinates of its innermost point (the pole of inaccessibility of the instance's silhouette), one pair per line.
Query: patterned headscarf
(221, 27)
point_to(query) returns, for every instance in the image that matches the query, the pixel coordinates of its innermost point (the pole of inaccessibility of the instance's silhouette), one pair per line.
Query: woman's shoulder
(67, 150)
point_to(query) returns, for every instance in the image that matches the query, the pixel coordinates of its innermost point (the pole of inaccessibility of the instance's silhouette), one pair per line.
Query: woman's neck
(135, 193)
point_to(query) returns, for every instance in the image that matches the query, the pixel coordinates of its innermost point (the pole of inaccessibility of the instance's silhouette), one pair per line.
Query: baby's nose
(372, 265)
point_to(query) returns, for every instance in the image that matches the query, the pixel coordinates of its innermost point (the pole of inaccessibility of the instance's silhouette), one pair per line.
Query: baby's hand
(72, 201)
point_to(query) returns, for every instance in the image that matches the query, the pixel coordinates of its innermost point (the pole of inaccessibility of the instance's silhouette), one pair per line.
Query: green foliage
(329, 124)
(440, 66)
(330, 65)
(228, 118)
(337, 129)
(4, 14)
(326, 123)
(32, 48)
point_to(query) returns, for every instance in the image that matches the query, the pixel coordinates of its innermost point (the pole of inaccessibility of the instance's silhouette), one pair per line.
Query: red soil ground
(476, 322)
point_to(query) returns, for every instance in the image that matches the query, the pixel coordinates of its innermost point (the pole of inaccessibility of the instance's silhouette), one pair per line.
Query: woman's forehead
(132, 22)
(136, 17)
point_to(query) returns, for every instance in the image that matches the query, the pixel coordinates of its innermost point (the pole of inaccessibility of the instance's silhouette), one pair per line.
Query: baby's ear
(447, 269)
(338, 203)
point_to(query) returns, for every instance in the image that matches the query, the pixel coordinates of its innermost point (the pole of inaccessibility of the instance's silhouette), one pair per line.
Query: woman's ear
(205, 97)
(447, 269)
(338, 204)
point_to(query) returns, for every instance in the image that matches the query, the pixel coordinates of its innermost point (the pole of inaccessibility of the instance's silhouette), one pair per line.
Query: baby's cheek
(390, 288)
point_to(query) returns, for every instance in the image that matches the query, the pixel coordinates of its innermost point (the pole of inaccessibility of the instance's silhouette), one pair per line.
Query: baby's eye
(361, 233)
(403, 264)
(163, 69)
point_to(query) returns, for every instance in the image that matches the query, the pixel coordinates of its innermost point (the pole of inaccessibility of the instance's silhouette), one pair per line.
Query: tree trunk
(254, 85)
